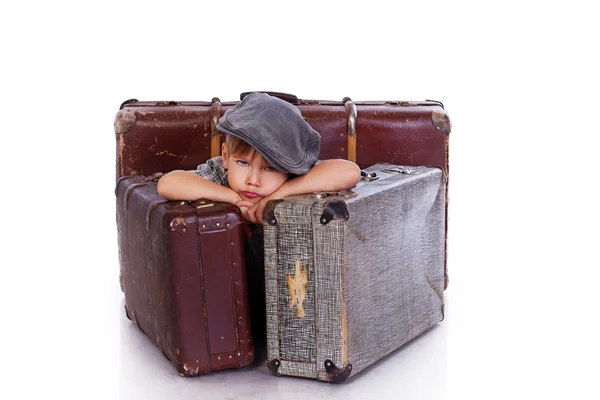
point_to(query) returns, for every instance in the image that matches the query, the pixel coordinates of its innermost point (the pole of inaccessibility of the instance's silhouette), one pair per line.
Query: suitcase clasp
(369, 176)
(399, 169)
(201, 203)
(321, 195)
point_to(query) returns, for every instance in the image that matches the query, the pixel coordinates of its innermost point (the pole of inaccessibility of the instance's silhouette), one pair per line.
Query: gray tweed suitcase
(351, 277)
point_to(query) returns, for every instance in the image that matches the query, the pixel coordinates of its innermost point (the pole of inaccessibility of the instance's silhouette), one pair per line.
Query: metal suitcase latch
(399, 169)
(201, 203)
(155, 177)
(322, 195)
(369, 176)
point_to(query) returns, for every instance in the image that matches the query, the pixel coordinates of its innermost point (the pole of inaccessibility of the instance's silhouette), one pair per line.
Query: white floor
(418, 370)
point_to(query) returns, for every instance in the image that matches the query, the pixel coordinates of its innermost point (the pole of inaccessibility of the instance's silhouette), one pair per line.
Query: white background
(519, 80)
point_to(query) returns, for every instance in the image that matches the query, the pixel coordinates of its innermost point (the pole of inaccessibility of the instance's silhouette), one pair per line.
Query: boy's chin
(254, 200)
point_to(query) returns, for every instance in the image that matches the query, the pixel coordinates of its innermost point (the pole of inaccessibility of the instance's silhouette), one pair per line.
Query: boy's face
(251, 176)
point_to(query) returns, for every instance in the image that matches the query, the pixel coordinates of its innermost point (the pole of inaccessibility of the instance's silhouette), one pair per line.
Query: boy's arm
(327, 176)
(184, 185)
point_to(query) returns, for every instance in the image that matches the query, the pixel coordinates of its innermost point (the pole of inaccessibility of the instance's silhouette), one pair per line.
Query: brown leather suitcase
(167, 135)
(184, 276)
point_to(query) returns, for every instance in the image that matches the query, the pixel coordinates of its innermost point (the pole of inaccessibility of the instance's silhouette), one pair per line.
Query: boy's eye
(270, 169)
(242, 163)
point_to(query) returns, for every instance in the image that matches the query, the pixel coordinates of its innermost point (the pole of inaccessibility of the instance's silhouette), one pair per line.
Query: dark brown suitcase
(167, 135)
(184, 276)
(164, 136)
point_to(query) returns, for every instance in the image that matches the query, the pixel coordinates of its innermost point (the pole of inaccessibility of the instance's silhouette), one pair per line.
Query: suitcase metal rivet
(239, 354)
(232, 243)
(229, 225)
(230, 356)
(218, 357)
(204, 226)
(184, 230)
(324, 220)
(218, 224)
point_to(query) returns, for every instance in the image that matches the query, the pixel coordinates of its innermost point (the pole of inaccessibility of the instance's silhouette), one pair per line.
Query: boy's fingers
(251, 214)
(244, 211)
(260, 207)
(257, 211)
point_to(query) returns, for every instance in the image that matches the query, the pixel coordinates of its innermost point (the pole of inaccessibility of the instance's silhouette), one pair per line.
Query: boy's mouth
(250, 195)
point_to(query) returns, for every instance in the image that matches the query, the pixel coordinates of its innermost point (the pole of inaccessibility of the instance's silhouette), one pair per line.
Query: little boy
(270, 152)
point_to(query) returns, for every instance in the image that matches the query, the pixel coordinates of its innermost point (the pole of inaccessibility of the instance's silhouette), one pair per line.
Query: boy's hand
(255, 212)
(252, 212)
(260, 207)
(244, 205)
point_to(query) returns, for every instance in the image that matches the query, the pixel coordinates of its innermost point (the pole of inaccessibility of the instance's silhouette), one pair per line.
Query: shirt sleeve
(213, 171)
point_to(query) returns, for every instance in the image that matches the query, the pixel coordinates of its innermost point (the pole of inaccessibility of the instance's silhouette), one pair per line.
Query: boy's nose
(253, 178)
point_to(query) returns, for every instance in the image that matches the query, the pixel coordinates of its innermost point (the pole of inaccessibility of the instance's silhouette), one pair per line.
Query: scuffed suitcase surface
(350, 279)
(184, 277)
(160, 136)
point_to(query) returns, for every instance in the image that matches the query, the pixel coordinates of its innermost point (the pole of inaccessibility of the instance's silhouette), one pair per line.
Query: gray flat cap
(276, 129)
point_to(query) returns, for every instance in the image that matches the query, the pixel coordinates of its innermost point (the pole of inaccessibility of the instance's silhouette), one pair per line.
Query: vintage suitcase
(352, 277)
(184, 277)
(167, 135)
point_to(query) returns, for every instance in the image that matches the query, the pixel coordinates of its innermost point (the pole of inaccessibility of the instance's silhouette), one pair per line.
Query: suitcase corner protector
(441, 121)
(335, 374)
(124, 120)
(269, 212)
(334, 209)
(273, 366)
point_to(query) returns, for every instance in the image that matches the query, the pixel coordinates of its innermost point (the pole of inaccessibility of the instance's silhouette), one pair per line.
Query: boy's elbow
(353, 175)
(164, 186)
(346, 173)
(160, 187)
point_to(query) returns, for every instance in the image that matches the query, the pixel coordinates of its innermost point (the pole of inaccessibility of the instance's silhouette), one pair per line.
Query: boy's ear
(224, 155)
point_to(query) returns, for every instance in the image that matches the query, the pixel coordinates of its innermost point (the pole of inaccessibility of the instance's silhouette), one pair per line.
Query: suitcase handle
(290, 98)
